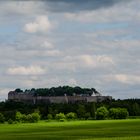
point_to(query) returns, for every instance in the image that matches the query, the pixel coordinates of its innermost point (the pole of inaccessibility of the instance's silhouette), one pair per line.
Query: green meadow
(73, 130)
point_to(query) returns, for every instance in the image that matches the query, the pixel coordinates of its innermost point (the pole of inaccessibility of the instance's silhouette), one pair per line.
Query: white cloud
(97, 60)
(62, 66)
(31, 70)
(51, 53)
(73, 64)
(123, 78)
(130, 79)
(40, 25)
(47, 45)
(87, 60)
(90, 61)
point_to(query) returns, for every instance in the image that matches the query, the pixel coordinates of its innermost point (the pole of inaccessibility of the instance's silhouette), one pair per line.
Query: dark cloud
(78, 5)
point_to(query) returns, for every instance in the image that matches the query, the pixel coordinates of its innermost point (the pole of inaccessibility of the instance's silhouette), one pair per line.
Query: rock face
(31, 98)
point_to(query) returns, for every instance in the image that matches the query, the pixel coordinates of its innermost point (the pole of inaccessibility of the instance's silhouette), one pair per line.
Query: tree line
(59, 91)
(101, 113)
(115, 109)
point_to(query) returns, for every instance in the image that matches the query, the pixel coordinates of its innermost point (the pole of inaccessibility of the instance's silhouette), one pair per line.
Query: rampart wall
(30, 98)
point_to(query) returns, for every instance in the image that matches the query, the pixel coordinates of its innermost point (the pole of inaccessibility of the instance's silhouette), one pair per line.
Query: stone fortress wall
(30, 98)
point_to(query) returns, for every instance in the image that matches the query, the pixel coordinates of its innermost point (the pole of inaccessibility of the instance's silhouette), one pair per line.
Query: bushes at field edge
(102, 113)
(60, 116)
(118, 113)
(71, 116)
(31, 118)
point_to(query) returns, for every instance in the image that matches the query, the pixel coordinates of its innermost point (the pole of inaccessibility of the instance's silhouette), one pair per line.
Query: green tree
(35, 116)
(18, 90)
(81, 111)
(123, 113)
(87, 115)
(136, 109)
(49, 117)
(113, 113)
(19, 117)
(29, 118)
(32, 118)
(102, 113)
(2, 118)
(24, 118)
(10, 121)
(118, 113)
(71, 115)
(93, 110)
(60, 116)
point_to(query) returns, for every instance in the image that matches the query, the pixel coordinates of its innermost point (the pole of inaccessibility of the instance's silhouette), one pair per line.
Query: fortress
(30, 97)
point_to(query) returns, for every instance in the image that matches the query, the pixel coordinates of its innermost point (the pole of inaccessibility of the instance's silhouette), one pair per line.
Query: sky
(87, 43)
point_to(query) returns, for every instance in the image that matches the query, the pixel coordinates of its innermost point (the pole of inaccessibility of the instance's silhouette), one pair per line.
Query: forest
(86, 111)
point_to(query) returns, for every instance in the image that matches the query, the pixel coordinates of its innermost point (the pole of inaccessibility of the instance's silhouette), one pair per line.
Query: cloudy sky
(87, 43)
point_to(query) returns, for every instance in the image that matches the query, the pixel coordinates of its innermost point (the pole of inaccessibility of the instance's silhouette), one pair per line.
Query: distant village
(57, 96)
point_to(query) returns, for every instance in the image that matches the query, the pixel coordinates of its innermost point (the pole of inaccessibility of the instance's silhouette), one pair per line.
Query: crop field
(73, 130)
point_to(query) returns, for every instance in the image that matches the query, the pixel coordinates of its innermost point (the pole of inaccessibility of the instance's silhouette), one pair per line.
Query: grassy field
(75, 130)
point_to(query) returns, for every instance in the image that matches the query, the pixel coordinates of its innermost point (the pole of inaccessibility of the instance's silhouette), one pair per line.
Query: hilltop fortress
(30, 96)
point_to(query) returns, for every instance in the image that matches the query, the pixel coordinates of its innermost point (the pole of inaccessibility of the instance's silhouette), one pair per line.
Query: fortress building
(30, 97)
